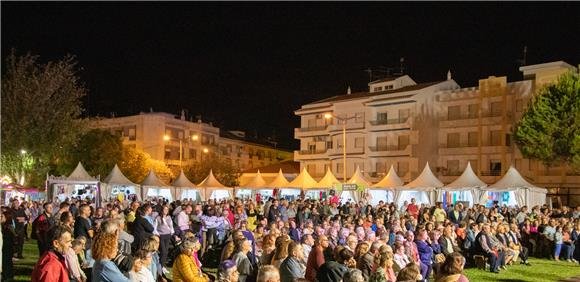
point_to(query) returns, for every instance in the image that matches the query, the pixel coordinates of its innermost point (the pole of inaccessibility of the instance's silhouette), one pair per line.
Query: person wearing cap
(228, 271)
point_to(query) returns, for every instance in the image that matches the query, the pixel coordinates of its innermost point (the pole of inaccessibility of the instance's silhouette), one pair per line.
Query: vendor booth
(422, 189)
(10, 191)
(306, 183)
(214, 189)
(79, 184)
(513, 190)
(117, 186)
(254, 189)
(466, 188)
(383, 190)
(153, 187)
(329, 182)
(361, 183)
(185, 189)
(281, 185)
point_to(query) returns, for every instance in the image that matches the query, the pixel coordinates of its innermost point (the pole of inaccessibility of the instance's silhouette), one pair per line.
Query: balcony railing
(388, 121)
(451, 173)
(313, 128)
(387, 148)
(473, 116)
(312, 152)
(491, 173)
(451, 146)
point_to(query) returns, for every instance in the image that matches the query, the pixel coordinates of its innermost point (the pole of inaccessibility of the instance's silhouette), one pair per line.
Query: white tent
(360, 181)
(78, 183)
(305, 182)
(521, 192)
(214, 189)
(280, 182)
(465, 188)
(151, 186)
(116, 182)
(385, 189)
(422, 188)
(256, 185)
(185, 189)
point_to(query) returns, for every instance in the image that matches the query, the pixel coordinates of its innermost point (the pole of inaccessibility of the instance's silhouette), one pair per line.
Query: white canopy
(80, 174)
(256, 182)
(422, 188)
(391, 180)
(182, 185)
(358, 179)
(328, 181)
(303, 181)
(115, 178)
(468, 185)
(525, 192)
(153, 186)
(280, 181)
(211, 185)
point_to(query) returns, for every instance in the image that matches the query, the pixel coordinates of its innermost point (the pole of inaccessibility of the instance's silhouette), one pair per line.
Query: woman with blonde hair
(268, 248)
(104, 249)
(185, 268)
(384, 272)
(452, 269)
(281, 252)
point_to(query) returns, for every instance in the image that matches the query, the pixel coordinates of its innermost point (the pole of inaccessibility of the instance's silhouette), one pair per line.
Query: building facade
(178, 141)
(401, 123)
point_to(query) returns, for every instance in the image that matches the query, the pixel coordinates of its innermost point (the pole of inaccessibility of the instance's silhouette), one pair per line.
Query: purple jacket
(425, 252)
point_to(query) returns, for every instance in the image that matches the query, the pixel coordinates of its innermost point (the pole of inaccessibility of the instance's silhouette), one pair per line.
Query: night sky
(248, 66)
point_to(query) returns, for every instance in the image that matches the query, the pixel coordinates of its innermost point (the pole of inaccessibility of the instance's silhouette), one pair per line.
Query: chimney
(448, 74)
(182, 114)
(348, 90)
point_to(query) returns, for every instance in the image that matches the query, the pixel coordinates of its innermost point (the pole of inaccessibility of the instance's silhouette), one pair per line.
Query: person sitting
(485, 245)
(452, 269)
(185, 268)
(52, 266)
(293, 267)
(228, 271)
(268, 273)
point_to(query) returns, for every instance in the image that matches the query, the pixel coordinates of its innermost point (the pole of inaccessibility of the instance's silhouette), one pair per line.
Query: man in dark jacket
(142, 228)
(43, 223)
(367, 262)
(274, 212)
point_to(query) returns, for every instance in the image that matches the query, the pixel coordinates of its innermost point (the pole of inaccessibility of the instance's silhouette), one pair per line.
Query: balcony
(466, 120)
(389, 151)
(467, 149)
(388, 124)
(310, 131)
(338, 151)
(349, 126)
(309, 155)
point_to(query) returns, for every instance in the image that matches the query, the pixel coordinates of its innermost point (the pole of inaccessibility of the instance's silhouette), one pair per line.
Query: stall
(183, 189)
(383, 190)
(306, 183)
(117, 186)
(328, 182)
(422, 188)
(79, 184)
(153, 187)
(281, 184)
(255, 188)
(513, 190)
(466, 188)
(361, 183)
(214, 189)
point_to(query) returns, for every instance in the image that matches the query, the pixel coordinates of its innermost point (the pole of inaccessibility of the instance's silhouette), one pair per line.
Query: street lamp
(168, 138)
(329, 116)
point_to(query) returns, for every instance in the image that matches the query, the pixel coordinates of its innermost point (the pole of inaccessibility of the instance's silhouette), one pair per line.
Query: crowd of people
(280, 240)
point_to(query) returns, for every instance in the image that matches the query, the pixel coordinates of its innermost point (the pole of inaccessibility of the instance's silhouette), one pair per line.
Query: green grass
(542, 270)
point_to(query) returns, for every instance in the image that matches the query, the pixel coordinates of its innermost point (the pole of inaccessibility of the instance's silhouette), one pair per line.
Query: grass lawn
(541, 269)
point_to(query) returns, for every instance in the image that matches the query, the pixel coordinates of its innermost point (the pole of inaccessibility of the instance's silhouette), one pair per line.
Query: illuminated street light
(205, 150)
(195, 137)
(166, 137)
(329, 116)
(23, 152)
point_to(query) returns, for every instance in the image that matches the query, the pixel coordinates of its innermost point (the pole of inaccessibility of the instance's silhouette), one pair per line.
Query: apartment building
(176, 140)
(405, 124)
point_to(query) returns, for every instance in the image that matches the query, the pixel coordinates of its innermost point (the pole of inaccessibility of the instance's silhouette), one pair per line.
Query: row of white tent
(426, 188)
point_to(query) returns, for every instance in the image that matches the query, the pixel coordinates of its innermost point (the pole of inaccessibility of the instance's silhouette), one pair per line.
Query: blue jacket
(425, 252)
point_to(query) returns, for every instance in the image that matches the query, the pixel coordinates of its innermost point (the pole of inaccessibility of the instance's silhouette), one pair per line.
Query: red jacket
(51, 267)
(315, 260)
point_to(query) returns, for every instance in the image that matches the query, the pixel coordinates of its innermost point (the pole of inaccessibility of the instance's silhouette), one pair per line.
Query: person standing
(164, 228)
(20, 219)
(82, 225)
(141, 228)
(51, 266)
(41, 225)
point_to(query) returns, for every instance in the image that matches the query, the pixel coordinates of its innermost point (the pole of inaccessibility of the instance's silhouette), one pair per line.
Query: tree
(98, 150)
(41, 110)
(550, 127)
(224, 171)
(136, 165)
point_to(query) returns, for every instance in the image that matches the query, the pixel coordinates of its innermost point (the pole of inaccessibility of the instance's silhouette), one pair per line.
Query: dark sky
(250, 65)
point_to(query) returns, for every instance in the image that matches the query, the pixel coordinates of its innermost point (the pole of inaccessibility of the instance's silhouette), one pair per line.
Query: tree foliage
(41, 111)
(550, 127)
(224, 171)
(135, 164)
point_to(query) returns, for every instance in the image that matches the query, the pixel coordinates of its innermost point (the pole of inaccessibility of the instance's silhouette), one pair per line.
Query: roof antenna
(448, 74)
(370, 72)
(402, 63)
(348, 90)
(523, 61)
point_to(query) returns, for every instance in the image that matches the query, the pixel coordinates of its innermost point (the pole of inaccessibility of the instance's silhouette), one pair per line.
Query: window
(519, 105)
(131, 133)
(388, 87)
(180, 134)
(359, 117)
(473, 109)
(380, 88)
(312, 147)
(381, 167)
(402, 168)
(453, 167)
(508, 139)
(404, 115)
(382, 116)
(311, 123)
(359, 142)
(495, 167)
(193, 154)
(328, 144)
(495, 138)
(496, 109)
(403, 142)
(167, 153)
(339, 168)
(382, 143)
(472, 139)
(453, 112)
(452, 140)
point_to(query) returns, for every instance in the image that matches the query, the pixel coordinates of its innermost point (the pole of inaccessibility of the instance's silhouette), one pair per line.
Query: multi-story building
(176, 140)
(404, 124)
